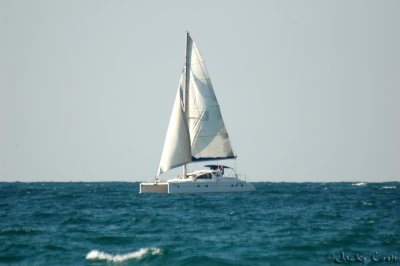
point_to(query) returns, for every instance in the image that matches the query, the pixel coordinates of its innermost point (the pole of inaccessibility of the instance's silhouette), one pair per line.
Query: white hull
(174, 187)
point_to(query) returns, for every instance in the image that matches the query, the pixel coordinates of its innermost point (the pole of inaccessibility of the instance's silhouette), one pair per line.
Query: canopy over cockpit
(217, 166)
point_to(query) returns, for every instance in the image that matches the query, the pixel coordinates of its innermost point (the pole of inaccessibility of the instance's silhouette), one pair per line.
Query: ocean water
(279, 224)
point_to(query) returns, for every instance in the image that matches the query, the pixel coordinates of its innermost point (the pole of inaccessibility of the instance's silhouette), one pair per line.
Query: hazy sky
(309, 90)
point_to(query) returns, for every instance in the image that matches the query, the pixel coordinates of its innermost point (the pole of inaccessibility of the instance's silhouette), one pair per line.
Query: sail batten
(196, 131)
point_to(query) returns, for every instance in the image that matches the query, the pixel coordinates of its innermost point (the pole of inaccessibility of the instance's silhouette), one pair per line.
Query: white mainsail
(208, 135)
(196, 131)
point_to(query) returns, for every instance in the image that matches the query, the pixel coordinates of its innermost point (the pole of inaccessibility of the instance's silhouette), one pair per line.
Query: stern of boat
(155, 187)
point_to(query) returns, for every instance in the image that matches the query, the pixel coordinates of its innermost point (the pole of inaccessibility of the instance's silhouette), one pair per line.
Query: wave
(138, 254)
(19, 232)
(359, 184)
(388, 187)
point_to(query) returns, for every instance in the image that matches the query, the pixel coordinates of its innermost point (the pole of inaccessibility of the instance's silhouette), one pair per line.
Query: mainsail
(196, 130)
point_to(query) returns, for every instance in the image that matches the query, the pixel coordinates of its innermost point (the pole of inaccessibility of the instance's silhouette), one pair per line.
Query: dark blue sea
(279, 224)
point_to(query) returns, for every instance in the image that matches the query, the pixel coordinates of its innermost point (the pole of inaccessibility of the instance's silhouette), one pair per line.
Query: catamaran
(196, 133)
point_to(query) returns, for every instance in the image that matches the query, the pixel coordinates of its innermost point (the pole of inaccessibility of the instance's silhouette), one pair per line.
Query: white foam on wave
(360, 184)
(389, 187)
(138, 254)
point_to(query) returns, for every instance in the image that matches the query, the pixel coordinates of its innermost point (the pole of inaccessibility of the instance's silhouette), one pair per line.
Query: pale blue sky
(309, 90)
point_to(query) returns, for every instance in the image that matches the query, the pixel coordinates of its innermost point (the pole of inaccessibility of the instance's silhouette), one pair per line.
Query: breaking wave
(99, 255)
(359, 184)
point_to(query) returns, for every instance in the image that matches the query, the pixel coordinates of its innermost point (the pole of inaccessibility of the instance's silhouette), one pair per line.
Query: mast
(187, 68)
(187, 80)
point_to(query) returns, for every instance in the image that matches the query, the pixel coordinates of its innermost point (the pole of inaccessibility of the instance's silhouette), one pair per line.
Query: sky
(309, 90)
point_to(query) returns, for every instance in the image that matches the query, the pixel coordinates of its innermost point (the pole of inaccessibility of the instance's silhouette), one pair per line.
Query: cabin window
(205, 176)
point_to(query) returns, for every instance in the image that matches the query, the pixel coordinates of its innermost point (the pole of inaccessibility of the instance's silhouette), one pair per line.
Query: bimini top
(216, 166)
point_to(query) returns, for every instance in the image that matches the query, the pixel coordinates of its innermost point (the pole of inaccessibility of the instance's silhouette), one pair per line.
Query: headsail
(176, 151)
(196, 130)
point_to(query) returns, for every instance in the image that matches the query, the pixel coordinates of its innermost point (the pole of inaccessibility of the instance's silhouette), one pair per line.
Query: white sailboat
(196, 132)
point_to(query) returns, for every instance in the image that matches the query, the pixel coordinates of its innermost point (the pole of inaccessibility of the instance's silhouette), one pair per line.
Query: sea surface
(279, 224)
